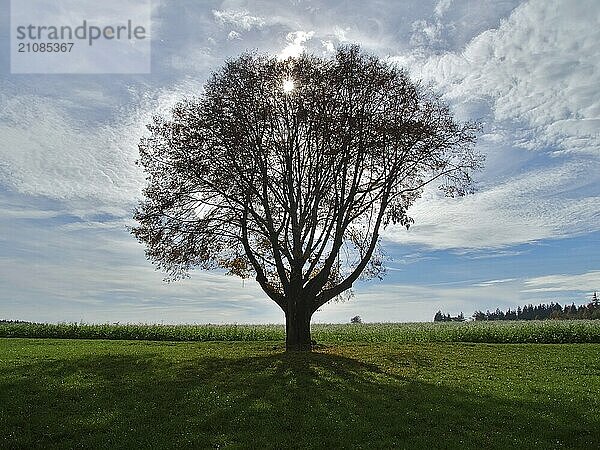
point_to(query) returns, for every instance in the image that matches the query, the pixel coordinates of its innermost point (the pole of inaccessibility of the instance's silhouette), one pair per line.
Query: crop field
(61, 393)
(548, 331)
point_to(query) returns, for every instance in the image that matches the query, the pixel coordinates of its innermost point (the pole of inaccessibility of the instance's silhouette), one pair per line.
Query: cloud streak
(589, 281)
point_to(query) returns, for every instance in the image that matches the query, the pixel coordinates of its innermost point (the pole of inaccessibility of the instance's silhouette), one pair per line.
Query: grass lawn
(143, 394)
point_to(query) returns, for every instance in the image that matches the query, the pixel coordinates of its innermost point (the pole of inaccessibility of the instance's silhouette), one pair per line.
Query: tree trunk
(297, 326)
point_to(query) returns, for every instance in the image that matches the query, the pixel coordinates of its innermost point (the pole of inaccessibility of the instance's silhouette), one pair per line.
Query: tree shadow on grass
(316, 400)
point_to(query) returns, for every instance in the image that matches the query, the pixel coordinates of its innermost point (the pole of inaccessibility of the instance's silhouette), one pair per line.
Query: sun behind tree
(286, 171)
(288, 85)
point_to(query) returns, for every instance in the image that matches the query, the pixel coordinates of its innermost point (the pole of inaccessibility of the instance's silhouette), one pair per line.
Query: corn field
(548, 331)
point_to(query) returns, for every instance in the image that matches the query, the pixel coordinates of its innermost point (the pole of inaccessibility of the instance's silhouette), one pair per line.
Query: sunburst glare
(288, 85)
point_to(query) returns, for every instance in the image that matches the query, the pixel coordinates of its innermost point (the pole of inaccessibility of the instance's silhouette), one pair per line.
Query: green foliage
(552, 331)
(128, 394)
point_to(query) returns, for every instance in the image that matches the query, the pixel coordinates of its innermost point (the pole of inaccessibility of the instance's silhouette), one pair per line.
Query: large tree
(287, 171)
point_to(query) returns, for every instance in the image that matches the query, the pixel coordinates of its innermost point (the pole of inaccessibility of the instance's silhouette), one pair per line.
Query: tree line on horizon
(542, 311)
(440, 317)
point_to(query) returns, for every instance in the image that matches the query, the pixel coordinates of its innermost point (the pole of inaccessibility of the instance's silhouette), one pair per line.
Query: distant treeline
(439, 317)
(542, 311)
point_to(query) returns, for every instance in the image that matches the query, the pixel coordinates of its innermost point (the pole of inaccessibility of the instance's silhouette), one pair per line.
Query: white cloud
(233, 35)
(492, 282)
(534, 80)
(45, 151)
(589, 282)
(541, 67)
(295, 43)
(524, 208)
(241, 19)
(341, 34)
(329, 47)
(442, 6)
(425, 33)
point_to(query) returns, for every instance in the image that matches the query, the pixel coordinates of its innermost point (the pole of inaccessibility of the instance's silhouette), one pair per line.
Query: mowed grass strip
(135, 394)
(548, 331)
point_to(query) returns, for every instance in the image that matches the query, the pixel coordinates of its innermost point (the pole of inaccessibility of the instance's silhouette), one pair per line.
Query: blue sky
(530, 71)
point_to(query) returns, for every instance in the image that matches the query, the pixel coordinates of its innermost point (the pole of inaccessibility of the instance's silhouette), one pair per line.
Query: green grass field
(142, 394)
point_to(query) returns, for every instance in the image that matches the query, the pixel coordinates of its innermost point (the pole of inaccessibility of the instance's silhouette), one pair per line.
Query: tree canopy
(287, 171)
